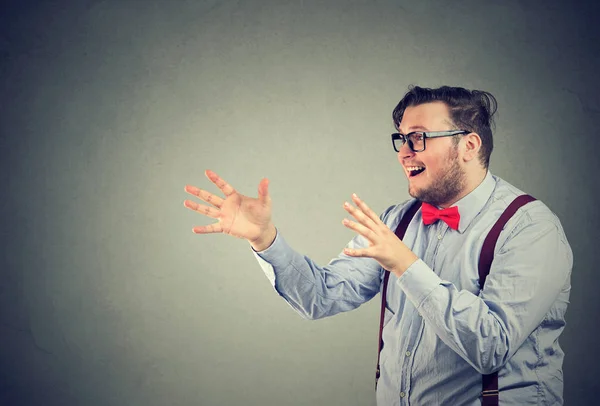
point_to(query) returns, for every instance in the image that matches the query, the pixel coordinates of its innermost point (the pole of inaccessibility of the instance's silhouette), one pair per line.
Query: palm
(237, 215)
(243, 216)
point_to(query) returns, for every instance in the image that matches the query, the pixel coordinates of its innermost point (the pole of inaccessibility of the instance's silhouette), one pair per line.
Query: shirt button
(439, 236)
(408, 353)
(402, 394)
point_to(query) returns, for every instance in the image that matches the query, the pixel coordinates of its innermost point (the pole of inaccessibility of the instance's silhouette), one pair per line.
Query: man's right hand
(238, 215)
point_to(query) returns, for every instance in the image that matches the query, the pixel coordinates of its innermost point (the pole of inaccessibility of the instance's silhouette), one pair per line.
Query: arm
(528, 273)
(319, 291)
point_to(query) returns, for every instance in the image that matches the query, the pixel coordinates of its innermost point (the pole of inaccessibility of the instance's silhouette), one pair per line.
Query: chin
(413, 192)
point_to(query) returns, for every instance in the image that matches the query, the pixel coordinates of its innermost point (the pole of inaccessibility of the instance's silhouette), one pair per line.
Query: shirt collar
(470, 205)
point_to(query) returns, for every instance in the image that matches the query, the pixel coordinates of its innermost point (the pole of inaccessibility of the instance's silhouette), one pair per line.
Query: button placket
(407, 363)
(440, 231)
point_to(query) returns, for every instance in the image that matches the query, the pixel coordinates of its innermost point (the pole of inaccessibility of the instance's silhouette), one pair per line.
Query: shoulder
(532, 215)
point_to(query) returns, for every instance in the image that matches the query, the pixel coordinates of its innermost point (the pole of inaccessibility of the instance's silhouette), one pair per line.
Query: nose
(405, 152)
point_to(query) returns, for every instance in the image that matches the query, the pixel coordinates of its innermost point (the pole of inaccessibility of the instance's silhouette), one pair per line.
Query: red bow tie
(431, 214)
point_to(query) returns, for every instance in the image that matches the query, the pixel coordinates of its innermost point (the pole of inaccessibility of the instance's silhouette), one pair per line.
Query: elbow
(491, 350)
(490, 368)
(307, 313)
(315, 309)
(491, 365)
(494, 358)
(314, 314)
(306, 316)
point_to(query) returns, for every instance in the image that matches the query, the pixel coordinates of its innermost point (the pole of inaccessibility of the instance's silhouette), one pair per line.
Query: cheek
(432, 169)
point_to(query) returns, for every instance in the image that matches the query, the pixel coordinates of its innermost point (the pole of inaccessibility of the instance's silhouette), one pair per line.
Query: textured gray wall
(108, 108)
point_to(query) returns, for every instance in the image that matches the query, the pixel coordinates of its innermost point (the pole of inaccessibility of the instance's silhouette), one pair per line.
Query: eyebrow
(411, 129)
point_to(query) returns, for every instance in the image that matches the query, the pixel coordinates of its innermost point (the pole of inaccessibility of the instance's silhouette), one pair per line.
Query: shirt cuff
(418, 281)
(278, 254)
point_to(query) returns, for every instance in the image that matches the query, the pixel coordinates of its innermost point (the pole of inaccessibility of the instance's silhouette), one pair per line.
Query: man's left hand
(384, 246)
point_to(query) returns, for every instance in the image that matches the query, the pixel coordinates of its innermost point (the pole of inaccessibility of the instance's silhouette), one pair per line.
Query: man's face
(443, 178)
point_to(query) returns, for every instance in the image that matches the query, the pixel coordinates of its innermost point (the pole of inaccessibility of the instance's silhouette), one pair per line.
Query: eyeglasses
(416, 139)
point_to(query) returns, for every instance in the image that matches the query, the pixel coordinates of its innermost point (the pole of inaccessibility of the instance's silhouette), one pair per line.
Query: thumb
(263, 191)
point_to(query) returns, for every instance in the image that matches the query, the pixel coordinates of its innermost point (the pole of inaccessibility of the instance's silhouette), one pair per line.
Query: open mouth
(415, 170)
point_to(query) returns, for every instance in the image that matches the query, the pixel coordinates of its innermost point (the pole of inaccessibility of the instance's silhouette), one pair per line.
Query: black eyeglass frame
(426, 134)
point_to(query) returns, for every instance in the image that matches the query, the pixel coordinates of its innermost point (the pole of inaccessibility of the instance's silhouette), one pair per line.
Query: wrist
(406, 262)
(265, 240)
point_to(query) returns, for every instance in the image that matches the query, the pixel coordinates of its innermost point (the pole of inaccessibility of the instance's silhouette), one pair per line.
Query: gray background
(109, 108)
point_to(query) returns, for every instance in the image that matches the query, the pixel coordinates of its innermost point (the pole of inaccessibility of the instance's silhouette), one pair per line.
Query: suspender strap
(489, 393)
(489, 244)
(400, 231)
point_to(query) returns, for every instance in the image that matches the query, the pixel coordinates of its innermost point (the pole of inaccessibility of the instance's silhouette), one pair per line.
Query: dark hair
(470, 110)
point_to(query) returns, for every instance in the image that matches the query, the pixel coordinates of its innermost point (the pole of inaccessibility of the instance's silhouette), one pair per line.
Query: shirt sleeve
(528, 273)
(316, 291)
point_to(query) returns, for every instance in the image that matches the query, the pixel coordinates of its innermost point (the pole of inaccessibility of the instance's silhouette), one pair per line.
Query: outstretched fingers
(200, 208)
(366, 210)
(359, 252)
(359, 228)
(209, 229)
(204, 195)
(225, 187)
(359, 214)
(263, 191)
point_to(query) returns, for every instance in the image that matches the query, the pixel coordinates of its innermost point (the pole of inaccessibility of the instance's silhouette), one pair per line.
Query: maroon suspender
(489, 244)
(489, 382)
(489, 392)
(400, 230)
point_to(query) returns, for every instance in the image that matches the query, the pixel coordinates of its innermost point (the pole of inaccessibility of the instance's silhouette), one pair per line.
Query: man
(441, 332)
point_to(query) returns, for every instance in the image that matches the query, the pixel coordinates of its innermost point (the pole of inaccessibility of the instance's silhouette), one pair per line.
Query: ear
(471, 145)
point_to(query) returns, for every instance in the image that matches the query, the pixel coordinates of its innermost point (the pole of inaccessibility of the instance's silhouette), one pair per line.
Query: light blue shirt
(441, 332)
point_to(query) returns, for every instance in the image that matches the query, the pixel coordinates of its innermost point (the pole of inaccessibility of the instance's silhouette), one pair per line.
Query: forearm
(486, 330)
(319, 291)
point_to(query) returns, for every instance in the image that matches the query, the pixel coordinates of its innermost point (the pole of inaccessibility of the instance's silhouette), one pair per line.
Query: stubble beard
(446, 187)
